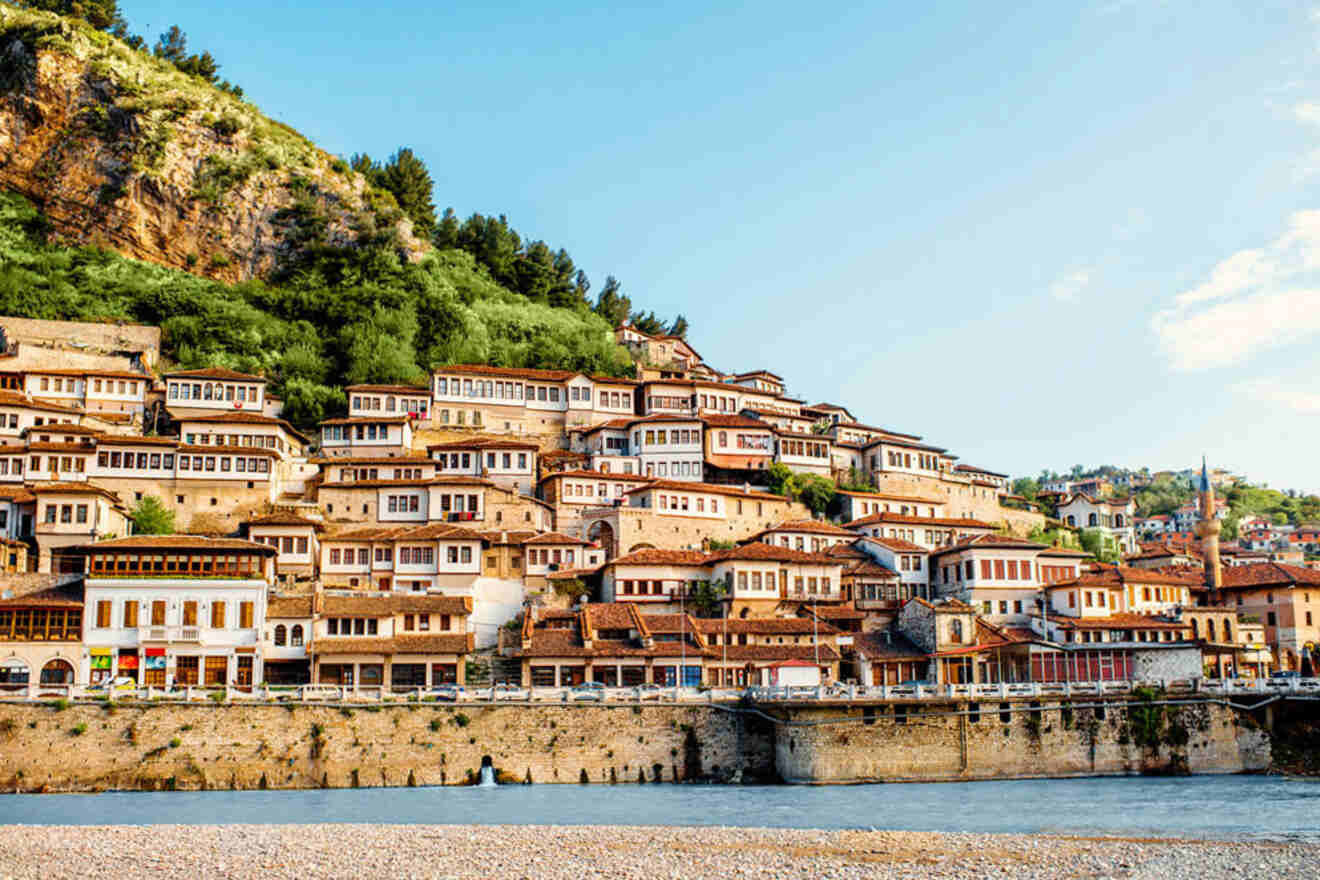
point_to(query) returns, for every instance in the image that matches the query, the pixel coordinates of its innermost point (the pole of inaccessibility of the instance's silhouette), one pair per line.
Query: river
(1265, 807)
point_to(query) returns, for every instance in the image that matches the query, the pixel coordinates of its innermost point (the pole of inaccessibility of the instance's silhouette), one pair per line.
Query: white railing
(327, 693)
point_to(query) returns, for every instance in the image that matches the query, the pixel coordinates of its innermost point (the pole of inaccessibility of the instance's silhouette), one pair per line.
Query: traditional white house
(116, 391)
(414, 559)
(1114, 518)
(508, 463)
(807, 535)
(294, 536)
(173, 610)
(366, 401)
(287, 639)
(911, 561)
(378, 436)
(216, 389)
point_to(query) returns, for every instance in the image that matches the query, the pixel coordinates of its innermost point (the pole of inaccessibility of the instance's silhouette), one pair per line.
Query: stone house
(393, 642)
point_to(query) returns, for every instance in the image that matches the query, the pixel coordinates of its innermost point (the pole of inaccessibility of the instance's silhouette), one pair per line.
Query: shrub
(78, 730)
(462, 720)
(175, 743)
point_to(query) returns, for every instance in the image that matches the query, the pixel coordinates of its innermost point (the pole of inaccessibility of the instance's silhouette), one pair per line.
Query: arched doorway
(57, 672)
(602, 533)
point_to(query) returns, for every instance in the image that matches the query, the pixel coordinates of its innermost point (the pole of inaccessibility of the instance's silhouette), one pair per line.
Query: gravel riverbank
(396, 852)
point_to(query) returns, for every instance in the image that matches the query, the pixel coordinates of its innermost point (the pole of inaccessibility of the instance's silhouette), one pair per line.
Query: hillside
(353, 315)
(131, 190)
(122, 149)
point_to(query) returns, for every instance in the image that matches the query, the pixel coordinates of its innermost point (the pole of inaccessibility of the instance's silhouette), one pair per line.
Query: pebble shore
(398, 852)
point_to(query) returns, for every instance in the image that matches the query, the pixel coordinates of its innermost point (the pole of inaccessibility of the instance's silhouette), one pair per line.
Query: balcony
(170, 634)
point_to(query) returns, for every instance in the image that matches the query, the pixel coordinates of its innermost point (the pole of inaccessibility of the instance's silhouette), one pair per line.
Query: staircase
(506, 669)
(486, 668)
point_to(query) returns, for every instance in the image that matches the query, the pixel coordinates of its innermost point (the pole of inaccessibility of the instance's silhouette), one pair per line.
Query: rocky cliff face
(122, 150)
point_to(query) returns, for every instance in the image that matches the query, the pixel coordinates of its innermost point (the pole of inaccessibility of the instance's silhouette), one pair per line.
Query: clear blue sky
(1039, 234)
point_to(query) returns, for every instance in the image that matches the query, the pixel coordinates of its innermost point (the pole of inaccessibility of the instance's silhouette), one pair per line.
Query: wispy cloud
(1255, 300)
(1068, 287)
(1281, 393)
(1307, 112)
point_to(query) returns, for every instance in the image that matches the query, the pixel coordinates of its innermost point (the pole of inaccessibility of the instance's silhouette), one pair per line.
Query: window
(130, 614)
(217, 615)
(103, 614)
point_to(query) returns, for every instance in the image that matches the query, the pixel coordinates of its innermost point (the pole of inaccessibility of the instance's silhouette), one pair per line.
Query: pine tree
(612, 305)
(406, 177)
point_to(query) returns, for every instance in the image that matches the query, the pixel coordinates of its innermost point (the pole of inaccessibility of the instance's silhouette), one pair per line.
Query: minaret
(1208, 531)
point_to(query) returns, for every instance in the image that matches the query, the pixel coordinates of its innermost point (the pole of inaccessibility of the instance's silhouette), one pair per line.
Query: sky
(1037, 234)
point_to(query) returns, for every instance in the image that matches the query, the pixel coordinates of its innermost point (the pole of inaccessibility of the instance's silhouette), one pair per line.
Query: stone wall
(88, 747)
(931, 742)
(91, 337)
(961, 499)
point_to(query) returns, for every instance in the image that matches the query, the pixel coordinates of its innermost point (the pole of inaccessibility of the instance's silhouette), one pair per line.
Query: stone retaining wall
(931, 742)
(91, 746)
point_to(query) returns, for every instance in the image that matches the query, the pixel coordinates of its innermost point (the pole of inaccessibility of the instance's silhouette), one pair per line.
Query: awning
(128, 661)
(155, 652)
(13, 663)
(96, 652)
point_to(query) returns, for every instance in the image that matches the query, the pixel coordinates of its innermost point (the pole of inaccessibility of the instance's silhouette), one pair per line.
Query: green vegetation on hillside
(341, 316)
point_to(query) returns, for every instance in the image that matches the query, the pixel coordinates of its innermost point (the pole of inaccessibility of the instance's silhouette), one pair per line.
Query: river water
(1206, 806)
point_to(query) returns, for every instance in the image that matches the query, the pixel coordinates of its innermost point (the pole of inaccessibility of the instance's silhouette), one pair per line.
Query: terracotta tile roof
(366, 420)
(112, 374)
(568, 574)
(81, 448)
(1262, 574)
(812, 526)
(555, 538)
(60, 429)
(65, 596)
(832, 612)
(16, 495)
(507, 372)
(765, 626)
(875, 646)
(178, 542)
(237, 417)
(428, 532)
(845, 551)
(988, 542)
(70, 488)
(425, 481)
(401, 644)
(215, 373)
(1123, 620)
(810, 653)
(289, 607)
(578, 475)
(901, 519)
(659, 557)
(612, 615)
(387, 604)
(1064, 552)
(121, 440)
(11, 398)
(484, 443)
(870, 568)
(228, 450)
(407, 458)
(968, 469)
(283, 518)
(757, 551)
(708, 488)
(897, 544)
(670, 623)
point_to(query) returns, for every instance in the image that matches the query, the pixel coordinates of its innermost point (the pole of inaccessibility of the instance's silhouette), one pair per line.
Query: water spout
(487, 776)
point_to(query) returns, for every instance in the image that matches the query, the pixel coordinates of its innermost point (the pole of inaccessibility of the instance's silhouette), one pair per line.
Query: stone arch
(57, 671)
(642, 546)
(602, 533)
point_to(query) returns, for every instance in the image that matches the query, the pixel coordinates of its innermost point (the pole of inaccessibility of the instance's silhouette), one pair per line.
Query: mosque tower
(1207, 529)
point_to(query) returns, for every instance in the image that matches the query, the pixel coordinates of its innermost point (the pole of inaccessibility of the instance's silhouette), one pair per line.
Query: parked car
(592, 691)
(647, 692)
(1286, 673)
(448, 693)
(508, 691)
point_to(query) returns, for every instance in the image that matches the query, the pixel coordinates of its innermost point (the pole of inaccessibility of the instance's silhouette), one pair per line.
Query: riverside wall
(94, 746)
(992, 740)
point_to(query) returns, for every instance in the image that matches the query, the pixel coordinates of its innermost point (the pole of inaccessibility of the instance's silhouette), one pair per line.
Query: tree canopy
(150, 517)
